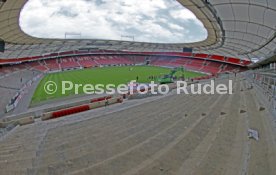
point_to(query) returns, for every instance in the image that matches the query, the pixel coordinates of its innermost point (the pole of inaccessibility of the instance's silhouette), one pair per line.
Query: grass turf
(107, 75)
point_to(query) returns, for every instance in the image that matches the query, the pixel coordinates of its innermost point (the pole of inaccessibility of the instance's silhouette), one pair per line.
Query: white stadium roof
(244, 29)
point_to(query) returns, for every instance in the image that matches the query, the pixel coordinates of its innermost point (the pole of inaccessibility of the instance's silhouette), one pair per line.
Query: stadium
(47, 130)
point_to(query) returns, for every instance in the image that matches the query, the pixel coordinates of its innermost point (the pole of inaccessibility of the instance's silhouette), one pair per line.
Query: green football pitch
(106, 75)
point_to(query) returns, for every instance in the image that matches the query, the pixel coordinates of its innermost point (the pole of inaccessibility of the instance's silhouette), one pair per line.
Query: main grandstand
(142, 134)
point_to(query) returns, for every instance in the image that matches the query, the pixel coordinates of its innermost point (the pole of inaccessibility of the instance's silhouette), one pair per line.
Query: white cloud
(175, 27)
(148, 20)
(183, 14)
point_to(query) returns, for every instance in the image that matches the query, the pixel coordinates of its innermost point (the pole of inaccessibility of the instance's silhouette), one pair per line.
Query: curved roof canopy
(236, 28)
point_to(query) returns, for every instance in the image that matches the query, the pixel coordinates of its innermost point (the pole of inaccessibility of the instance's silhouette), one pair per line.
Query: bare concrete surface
(24, 103)
(174, 134)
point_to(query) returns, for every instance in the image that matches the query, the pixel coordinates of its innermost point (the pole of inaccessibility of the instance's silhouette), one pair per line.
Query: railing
(265, 80)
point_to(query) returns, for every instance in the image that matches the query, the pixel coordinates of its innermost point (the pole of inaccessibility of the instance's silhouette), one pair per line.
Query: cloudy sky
(162, 21)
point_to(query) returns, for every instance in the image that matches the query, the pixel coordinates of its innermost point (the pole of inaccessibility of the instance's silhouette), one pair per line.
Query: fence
(266, 81)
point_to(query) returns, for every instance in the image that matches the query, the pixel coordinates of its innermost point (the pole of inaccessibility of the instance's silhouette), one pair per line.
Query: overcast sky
(162, 21)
